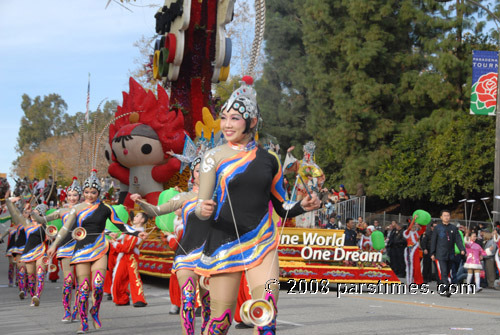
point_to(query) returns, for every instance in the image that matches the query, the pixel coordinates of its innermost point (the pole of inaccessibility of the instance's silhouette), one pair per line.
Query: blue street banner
(483, 98)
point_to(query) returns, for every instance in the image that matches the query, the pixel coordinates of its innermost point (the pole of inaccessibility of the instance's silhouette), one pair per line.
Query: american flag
(88, 100)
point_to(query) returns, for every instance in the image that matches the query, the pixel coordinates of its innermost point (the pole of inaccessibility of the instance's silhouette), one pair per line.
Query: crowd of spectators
(485, 239)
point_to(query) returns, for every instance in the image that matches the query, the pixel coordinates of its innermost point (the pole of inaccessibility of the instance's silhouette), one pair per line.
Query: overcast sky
(50, 46)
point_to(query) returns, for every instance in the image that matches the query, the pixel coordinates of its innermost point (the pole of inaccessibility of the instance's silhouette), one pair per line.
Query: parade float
(192, 52)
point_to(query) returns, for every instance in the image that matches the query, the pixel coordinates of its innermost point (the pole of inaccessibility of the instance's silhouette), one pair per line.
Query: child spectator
(473, 263)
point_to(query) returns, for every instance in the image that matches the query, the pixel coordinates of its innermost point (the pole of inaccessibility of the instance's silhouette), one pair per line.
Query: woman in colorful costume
(65, 250)
(34, 250)
(17, 250)
(11, 244)
(189, 250)
(90, 251)
(243, 236)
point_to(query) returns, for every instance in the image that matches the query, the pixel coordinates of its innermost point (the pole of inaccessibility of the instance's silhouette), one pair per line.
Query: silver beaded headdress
(75, 186)
(244, 100)
(92, 181)
(42, 209)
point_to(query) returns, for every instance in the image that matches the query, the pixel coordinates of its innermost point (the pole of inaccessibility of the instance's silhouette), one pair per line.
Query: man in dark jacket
(350, 234)
(444, 238)
(397, 245)
(425, 244)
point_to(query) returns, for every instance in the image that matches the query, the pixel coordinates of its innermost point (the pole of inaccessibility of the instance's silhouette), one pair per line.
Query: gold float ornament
(204, 283)
(224, 73)
(257, 312)
(45, 260)
(134, 117)
(208, 125)
(79, 233)
(51, 231)
(52, 268)
(156, 62)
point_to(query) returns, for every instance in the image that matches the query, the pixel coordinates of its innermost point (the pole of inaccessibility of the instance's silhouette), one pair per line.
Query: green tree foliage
(383, 88)
(282, 93)
(42, 119)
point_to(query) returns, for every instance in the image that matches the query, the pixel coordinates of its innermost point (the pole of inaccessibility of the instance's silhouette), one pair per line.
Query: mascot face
(137, 145)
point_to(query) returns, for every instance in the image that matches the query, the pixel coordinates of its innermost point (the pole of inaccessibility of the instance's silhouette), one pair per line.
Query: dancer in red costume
(413, 253)
(108, 281)
(126, 272)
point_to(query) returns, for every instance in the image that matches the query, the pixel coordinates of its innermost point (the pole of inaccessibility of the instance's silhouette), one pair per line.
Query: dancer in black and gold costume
(90, 252)
(189, 250)
(33, 253)
(243, 237)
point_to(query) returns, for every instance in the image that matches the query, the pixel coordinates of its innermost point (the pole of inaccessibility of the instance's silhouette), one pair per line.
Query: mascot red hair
(144, 131)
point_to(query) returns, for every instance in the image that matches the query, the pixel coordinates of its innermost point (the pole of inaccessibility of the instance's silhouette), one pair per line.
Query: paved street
(298, 313)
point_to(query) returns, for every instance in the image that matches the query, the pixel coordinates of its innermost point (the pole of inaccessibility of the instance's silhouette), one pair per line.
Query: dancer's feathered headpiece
(42, 209)
(75, 186)
(244, 100)
(92, 181)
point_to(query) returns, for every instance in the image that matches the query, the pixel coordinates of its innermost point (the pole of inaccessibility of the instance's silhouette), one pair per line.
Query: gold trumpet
(257, 312)
(79, 233)
(204, 282)
(51, 231)
(45, 260)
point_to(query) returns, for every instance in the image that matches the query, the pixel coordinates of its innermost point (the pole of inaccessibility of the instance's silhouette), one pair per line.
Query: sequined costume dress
(93, 219)
(35, 241)
(11, 240)
(245, 179)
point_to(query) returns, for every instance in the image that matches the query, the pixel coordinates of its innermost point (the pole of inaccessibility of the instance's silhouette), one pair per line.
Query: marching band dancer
(17, 250)
(243, 236)
(65, 251)
(11, 244)
(189, 250)
(34, 250)
(126, 269)
(91, 247)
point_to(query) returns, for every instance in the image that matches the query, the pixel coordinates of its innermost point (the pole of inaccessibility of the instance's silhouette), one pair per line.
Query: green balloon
(166, 222)
(57, 223)
(122, 213)
(378, 240)
(457, 251)
(424, 218)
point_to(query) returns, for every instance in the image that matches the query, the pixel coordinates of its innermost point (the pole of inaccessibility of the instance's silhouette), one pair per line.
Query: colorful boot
(11, 274)
(188, 296)
(269, 329)
(220, 325)
(31, 286)
(22, 282)
(205, 310)
(83, 304)
(66, 297)
(97, 299)
(17, 275)
(75, 314)
(40, 279)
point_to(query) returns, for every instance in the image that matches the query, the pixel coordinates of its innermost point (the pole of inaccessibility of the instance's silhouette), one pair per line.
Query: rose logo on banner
(483, 97)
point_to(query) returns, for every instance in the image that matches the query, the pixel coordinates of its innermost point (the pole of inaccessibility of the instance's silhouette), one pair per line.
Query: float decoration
(140, 142)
